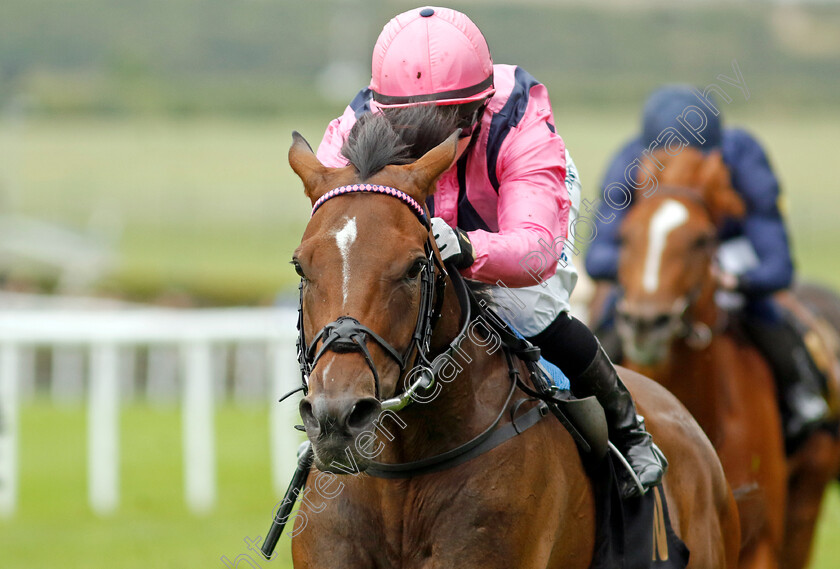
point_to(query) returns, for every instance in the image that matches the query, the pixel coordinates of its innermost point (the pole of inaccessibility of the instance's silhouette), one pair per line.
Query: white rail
(103, 333)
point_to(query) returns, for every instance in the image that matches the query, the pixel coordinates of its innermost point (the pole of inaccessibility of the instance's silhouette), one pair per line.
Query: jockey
(506, 194)
(754, 257)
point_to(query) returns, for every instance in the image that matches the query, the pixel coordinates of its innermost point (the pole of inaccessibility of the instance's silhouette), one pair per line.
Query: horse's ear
(306, 165)
(718, 193)
(426, 171)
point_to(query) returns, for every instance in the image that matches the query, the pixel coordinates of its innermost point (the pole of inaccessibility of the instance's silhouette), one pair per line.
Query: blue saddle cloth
(557, 377)
(553, 372)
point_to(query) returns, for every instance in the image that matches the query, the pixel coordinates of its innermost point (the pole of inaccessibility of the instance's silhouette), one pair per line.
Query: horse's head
(365, 263)
(668, 246)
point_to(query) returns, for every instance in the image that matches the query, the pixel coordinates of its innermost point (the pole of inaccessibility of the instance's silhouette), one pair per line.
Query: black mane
(396, 136)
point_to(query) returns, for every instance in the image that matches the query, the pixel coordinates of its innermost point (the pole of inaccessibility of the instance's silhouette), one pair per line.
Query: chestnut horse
(365, 262)
(673, 331)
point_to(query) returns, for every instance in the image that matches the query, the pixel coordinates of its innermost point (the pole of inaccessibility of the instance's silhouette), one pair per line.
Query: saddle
(821, 341)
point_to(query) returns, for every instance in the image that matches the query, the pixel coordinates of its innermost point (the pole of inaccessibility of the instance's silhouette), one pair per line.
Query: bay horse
(672, 330)
(366, 265)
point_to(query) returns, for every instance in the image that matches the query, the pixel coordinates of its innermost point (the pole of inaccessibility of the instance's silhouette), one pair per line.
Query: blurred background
(143, 178)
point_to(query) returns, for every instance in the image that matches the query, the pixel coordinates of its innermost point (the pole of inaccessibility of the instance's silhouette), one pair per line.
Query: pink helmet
(431, 55)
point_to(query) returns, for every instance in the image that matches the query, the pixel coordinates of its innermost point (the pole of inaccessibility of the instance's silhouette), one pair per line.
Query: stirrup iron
(633, 476)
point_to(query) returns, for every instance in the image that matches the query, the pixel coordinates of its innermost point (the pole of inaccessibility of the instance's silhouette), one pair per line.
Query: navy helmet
(681, 107)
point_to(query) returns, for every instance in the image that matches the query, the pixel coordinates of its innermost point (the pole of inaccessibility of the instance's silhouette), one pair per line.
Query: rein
(347, 334)
(493, 435)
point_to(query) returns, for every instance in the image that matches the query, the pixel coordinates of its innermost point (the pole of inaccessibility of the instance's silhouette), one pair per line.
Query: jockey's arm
(603, 253)
(533, 208)
(753, 176)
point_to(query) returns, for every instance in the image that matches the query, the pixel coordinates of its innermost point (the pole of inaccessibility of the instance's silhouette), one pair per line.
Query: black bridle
(347, 335)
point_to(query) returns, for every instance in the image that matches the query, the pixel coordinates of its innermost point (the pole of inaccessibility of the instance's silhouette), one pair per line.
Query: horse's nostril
(661, 321)
(364, 412)
(644, 324)
(628, 320)
(306, 414)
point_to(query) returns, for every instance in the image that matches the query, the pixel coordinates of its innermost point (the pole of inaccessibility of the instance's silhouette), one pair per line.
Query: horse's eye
(415, 269)
(298, 268)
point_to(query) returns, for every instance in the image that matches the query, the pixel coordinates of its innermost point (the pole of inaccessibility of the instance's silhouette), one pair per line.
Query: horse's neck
(464, 405)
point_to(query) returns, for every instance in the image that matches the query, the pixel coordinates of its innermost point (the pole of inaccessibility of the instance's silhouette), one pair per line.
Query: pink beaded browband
(375, 189)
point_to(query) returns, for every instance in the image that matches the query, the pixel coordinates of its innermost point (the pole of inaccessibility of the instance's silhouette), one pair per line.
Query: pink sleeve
(533, 203)
(329, 151)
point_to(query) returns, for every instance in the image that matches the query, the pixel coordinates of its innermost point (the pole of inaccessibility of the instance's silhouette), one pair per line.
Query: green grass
(54, 527)
(210, 206)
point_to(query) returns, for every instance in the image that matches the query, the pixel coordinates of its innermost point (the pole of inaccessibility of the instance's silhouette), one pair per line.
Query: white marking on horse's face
(670, 215)
(344, 238)
(326, 373)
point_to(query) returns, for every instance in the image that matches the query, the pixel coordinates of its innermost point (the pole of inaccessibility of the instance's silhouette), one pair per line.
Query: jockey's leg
(798, 381)
(572, 347)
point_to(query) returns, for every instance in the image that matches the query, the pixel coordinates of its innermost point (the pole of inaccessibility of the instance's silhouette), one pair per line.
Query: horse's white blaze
(326, 373)
(344, 238)
(670, 215)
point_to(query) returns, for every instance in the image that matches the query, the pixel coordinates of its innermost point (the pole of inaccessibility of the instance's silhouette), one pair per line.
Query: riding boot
(798, 381)
(627, 429)
(571, 346)
(610, 341)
